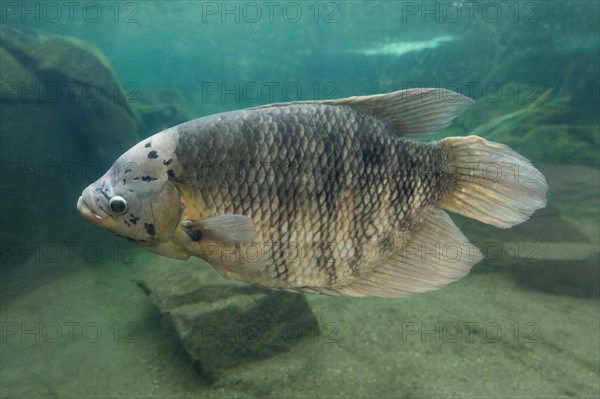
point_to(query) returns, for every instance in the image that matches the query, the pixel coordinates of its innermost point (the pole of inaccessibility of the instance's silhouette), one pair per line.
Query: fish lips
(88, 207)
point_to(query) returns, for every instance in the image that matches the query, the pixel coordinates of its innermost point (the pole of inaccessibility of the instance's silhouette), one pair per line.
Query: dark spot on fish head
(148, 144)
(195, 235)
(152, 155)
(150, 229)
(168, 162)
(170, 174)
(133, 219)
(149, 178)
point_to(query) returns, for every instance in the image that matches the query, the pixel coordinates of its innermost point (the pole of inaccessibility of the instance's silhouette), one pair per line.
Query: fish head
(137, 197)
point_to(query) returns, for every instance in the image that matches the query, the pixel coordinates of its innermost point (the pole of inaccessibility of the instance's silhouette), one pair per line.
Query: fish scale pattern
(328, 186)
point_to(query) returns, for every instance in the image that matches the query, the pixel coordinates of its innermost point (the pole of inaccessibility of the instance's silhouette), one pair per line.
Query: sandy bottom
(520, 329)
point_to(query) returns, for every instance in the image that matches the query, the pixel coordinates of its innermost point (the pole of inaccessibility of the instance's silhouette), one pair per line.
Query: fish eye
(117, 204)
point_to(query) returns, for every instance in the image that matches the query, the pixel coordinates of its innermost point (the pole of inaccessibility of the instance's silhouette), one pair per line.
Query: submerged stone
(228, 328)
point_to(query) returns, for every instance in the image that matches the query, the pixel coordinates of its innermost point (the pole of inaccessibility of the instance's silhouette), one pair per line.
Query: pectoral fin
(229, 229)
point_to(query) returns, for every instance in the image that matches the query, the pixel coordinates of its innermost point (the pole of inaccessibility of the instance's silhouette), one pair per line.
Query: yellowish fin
(435, 254)
(494, 184)
(228, 229)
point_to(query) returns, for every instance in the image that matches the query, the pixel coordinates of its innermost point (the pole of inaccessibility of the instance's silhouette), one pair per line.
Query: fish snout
(89, 208)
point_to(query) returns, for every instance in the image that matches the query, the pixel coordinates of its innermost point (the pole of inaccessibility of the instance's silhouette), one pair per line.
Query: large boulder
(64, 120)
(227, 329)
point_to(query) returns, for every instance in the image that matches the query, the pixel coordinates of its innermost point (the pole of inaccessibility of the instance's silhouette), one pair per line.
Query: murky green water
(85, 314)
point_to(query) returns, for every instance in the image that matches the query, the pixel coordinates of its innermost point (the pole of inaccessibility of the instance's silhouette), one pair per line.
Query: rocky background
(64, 120)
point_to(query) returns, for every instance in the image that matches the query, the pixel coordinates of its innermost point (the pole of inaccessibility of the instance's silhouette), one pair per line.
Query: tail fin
(494, 184)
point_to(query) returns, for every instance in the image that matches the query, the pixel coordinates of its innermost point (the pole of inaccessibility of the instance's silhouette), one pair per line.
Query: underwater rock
(64, 120)
(159, 110)
(227, 328)
(72, 79)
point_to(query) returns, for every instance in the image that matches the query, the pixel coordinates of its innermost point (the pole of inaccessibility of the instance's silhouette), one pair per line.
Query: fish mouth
(88, 209)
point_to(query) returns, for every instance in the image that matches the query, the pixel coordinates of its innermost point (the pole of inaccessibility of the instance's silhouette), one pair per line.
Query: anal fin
(435, 254)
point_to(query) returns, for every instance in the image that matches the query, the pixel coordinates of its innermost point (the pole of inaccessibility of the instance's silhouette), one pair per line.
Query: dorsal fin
(412, 112)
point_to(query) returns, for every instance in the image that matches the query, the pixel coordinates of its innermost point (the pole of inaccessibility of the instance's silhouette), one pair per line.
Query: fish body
(323, 196)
